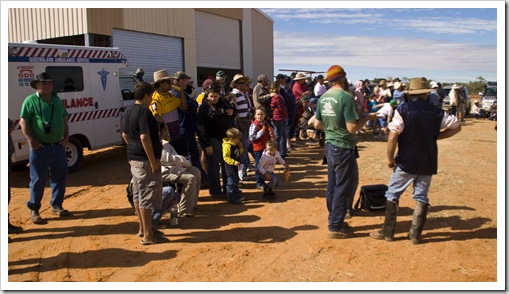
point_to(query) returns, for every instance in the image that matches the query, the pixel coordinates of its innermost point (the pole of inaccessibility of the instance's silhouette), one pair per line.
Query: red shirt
(298, 89)
(278, 107)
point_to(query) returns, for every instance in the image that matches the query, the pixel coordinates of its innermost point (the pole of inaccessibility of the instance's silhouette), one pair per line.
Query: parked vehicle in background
(96, 103)
(488, 97)
(447, 100)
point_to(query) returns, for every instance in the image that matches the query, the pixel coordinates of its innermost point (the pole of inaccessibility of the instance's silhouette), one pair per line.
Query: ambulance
(93, 84)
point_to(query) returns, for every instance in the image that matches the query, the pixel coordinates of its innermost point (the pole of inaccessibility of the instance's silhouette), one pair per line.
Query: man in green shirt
(44, 123)
(337, 116)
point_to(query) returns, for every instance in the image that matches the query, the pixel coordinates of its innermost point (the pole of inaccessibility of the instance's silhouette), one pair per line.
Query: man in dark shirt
(415, 129)
(141, 134)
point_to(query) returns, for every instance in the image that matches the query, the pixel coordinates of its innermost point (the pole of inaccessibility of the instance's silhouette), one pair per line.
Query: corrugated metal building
(199, 41)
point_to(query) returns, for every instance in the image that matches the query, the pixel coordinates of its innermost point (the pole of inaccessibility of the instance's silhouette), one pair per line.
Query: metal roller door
(218, 43)
(150, 52)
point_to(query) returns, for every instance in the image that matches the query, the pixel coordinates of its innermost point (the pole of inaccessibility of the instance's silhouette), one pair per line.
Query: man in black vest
(414, 130)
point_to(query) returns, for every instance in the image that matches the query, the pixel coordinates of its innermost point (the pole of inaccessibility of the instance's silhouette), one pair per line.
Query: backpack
(372, 197)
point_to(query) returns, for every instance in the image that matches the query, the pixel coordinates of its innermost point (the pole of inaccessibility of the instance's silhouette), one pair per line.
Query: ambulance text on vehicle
(88, 80)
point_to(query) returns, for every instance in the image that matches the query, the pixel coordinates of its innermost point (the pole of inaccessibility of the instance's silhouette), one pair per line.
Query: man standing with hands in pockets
(337, 116)
(144, 148)
(43, 121)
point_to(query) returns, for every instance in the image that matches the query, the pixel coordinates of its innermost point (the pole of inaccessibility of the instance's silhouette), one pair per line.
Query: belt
(51, 144)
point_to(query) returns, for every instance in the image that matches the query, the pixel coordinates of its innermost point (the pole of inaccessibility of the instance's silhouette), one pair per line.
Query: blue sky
(444, 44)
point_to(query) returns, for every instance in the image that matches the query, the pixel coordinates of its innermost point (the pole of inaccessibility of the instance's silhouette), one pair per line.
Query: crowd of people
(181, 139)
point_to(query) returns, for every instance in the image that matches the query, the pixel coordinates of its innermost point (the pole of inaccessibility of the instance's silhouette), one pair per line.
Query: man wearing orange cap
(337, 116)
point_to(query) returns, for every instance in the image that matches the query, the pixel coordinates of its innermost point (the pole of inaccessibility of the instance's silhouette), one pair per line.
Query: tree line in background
(473, 87)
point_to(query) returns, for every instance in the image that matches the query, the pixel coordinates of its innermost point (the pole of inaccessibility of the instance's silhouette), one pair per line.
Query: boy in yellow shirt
(232, 149)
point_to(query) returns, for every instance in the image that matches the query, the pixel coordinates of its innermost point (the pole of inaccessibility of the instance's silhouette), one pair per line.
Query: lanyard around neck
(52, 109)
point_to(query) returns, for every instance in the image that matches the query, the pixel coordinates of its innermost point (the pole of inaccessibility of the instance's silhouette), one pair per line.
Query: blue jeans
(400, 180)
(169, 196)
(274, 181)
(259, 177)
(290, 131)
(343, 179)
(215, 168)
(280, 127)
(244, 157)
(52, 159)
(232, 186)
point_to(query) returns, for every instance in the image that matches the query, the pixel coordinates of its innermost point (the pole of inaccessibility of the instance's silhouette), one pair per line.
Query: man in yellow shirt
(165, 105)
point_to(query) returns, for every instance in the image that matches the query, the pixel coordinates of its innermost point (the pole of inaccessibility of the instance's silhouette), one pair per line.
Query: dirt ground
(284, 240)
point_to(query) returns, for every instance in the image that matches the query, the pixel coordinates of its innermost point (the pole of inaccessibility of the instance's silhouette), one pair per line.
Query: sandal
(156, 232)
(157, 240)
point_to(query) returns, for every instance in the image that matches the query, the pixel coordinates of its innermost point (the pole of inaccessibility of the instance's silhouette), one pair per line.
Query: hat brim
(161, 80)
(301, 78)
(418, 91)
(33, 82)
(245, 79)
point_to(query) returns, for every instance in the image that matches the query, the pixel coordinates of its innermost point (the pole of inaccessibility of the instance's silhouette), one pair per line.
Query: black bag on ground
(372, 197)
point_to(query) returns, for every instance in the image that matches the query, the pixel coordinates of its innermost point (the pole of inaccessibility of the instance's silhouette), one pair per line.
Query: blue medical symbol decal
(104, 77)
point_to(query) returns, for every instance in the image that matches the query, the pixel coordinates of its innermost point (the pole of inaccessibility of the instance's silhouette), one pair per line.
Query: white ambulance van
(89, 82)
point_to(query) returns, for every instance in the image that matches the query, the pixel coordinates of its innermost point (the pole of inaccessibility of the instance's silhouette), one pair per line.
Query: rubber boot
(418, 221)
(387, 230)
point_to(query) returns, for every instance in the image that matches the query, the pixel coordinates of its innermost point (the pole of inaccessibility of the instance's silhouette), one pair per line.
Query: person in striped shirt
(240, 88)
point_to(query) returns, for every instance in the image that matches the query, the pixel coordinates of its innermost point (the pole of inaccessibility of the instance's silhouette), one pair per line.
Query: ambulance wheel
(74, 152)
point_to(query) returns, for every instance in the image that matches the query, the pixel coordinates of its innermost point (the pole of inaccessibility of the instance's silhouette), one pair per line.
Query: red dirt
(280, 241)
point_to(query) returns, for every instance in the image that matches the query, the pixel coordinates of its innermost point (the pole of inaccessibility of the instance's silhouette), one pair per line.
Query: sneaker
(58, 210)
(260, 187)
(235, 201)
(343, 233)
(267, 193)
(36, 218)
(14, 229)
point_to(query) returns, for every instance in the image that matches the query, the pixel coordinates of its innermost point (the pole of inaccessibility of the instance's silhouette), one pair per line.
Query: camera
(47, 127)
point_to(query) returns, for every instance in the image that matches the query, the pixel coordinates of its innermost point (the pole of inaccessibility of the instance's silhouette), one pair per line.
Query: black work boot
(387, 230)
(35, 217)
(418, 221)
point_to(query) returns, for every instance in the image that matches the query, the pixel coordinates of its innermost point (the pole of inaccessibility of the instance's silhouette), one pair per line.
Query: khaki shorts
(147, 186)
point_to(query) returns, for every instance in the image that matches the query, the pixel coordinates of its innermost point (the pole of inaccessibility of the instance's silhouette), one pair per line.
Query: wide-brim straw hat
(161, 75)
(239, 77)
(300, 76)
(418, 86)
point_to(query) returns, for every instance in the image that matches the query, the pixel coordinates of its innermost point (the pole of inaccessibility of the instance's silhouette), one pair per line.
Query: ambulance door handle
(96, 105)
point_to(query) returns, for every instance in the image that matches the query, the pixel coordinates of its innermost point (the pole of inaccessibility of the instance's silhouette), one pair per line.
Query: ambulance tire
(74, 151)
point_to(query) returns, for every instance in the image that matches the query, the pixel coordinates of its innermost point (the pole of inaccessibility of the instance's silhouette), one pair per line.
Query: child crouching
(266, 167)
(232, 149)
